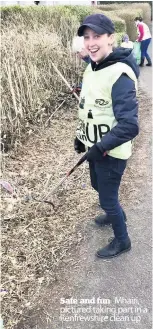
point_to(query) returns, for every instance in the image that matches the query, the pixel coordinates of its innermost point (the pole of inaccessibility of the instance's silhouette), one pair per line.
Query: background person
(144, 36)
(126, 43)
(79, 49)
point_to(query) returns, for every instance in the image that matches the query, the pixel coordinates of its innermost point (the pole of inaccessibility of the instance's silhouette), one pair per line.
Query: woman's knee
(111, 208)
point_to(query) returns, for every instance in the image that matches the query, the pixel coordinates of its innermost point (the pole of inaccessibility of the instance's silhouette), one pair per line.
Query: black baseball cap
(99, 23)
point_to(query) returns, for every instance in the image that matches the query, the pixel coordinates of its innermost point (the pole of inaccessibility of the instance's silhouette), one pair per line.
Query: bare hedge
(31, 38)
(145, 7)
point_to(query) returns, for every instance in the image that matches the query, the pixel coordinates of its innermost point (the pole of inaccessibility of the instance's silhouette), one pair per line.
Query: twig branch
(54, 112)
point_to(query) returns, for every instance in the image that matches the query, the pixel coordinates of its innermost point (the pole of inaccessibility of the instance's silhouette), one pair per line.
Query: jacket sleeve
(141, 32)
(125, 108)
(86, 59)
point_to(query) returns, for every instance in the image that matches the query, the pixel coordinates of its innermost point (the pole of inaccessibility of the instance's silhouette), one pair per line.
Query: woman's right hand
(79, 146)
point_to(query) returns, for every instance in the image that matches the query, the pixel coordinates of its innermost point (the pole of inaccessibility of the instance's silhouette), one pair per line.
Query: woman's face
(98, 46)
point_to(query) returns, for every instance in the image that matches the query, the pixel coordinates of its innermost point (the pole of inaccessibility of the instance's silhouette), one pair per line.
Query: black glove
(95, 153)
(79, 146)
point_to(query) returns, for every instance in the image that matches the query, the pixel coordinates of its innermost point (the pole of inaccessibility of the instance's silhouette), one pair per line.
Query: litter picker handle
(69, 173)
(84, 158)
(62, 77)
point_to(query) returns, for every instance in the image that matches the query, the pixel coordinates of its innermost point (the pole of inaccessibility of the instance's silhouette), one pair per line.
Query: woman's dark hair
(138, 19)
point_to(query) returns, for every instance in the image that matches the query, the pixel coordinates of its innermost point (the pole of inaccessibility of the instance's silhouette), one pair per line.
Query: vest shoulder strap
(122, 68)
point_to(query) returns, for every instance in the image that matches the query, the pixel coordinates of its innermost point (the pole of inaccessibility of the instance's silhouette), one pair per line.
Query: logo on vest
(100, 102)
(90, 116)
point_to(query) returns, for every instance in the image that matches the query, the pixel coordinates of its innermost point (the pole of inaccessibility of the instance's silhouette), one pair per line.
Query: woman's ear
(111, 39)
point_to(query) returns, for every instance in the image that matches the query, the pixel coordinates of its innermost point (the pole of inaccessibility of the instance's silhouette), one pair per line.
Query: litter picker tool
(84, 157)
(8, 187)
(68, 85)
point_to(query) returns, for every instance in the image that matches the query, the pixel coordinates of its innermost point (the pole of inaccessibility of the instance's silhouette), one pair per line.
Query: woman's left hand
(95, 153)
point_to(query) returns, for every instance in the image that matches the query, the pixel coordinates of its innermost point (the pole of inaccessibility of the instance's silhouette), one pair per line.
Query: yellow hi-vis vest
(96, 116)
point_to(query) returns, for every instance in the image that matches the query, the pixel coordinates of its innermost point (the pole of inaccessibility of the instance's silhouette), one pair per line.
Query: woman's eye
(96, 36)
(86, 37)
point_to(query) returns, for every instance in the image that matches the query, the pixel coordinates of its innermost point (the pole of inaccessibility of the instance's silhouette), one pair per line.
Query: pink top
(141, 32)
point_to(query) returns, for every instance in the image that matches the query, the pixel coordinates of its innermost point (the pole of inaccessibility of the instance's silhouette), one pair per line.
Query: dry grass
(35, 238)
(30, 87)
(32, 93)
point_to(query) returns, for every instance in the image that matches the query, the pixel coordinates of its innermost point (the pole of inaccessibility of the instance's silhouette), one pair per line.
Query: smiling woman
(98, 46)
(109, 95)
(98, 36)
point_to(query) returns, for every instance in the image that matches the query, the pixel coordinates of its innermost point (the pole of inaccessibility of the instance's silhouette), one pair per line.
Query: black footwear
(103, 220)
(149, 64)
(114, 248)
(142, 62)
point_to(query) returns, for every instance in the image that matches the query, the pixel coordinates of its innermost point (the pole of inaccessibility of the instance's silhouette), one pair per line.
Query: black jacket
(124, 101)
